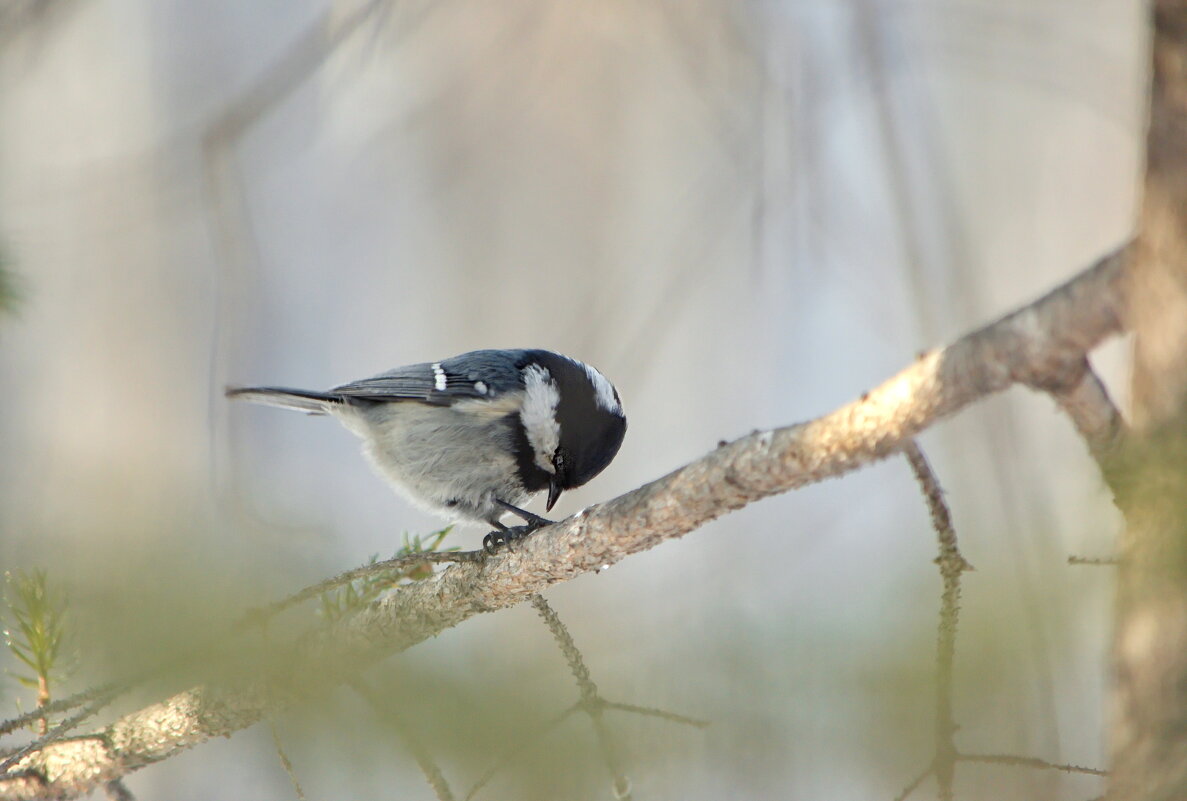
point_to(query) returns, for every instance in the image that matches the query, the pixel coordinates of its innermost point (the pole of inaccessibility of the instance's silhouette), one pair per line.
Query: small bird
(472, 437)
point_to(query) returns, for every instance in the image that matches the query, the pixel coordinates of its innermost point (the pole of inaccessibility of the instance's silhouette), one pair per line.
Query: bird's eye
(558, 462)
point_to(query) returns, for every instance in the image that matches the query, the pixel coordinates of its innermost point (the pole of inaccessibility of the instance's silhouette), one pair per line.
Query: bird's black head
(572, 420)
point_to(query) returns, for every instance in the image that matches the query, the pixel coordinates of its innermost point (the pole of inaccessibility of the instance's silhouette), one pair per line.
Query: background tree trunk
(1150, 647)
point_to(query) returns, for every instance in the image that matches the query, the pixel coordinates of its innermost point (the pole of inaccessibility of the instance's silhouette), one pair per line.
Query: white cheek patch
(480, 387)
(438, 377)
(538, 414)
(603, 390)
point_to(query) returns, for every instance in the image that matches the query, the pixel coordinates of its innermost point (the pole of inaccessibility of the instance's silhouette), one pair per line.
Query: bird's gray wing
(480, 374)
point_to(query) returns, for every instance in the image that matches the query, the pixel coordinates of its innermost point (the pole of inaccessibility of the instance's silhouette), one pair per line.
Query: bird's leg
(503, 535)
(533, 521)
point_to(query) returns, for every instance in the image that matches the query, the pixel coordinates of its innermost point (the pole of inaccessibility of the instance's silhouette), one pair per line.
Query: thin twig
(285, 762)
(663, 714)
(508, 756)
(914, 785)
(62, 705)
(424, 760)
(589, 690)
(522, 746)
(591, 701)
(1030, 762)
(952, 564)
(1104, 561)
(55, 734)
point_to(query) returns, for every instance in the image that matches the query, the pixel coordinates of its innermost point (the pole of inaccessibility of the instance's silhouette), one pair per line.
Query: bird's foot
(504, 535)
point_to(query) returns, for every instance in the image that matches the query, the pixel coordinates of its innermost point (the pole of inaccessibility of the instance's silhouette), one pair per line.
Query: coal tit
(474, 436)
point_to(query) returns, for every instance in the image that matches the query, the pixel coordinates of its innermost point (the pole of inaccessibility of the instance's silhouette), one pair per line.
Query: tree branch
(1091, 410)
(1042, 345)
(952, 565)
(1031, 762)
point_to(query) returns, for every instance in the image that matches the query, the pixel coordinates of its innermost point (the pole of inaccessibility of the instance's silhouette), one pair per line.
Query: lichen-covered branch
(1041, 345)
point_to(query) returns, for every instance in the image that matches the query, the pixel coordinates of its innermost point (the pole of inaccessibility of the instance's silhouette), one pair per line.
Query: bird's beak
(554, 492)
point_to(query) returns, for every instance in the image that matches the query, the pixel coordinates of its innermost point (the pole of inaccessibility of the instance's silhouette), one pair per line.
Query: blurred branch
(1092, 412)
(1041, 345)
(591, 700)
(9, 294)
(64, 705)
(518, 748)
(592, 703)
(57, 733)
(285, 762)
(424, 760)
(652, 712)
(1096, 561)
(412, 561)
(914, 785)
(226, 205)
(1030, 762)
(18, 16)
(952, 564)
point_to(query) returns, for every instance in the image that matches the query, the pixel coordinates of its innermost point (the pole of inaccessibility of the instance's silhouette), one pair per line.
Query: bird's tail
(300, 399)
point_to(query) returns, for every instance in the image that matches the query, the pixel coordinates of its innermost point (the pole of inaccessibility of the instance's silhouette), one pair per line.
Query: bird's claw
(496, 539)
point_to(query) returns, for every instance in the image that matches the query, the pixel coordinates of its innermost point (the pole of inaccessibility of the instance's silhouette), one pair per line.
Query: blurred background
(745, 214)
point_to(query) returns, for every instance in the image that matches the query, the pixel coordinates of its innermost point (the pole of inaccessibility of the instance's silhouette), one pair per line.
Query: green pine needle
(338, 604)
(36, 626)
